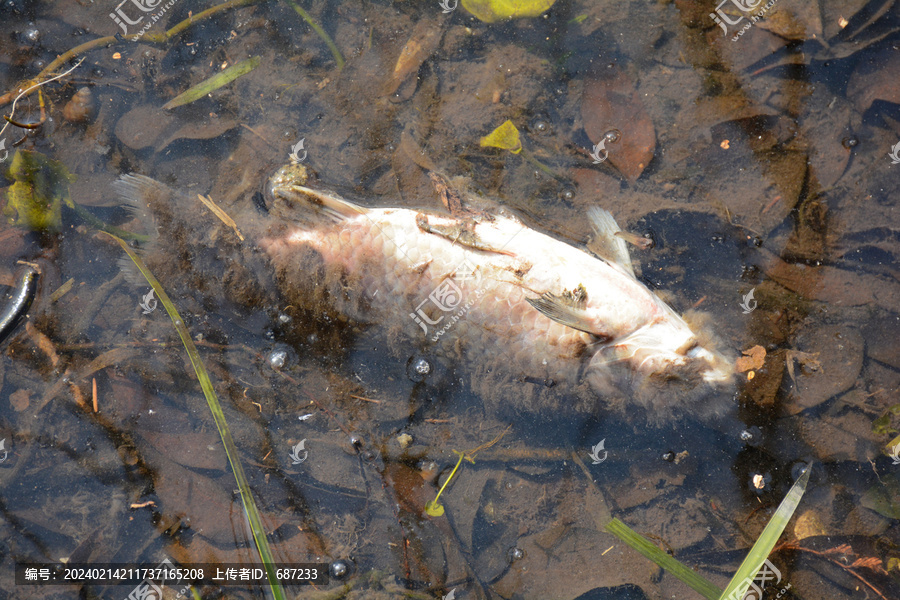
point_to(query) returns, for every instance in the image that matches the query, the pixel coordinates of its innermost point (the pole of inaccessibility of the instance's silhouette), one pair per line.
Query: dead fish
(482, 291)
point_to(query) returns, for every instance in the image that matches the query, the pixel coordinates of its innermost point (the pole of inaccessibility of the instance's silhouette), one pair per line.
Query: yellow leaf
(491, 11)
(434, 510)
(506, 136)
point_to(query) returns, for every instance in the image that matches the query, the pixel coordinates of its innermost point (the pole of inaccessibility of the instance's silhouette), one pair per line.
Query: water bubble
(567, 194)
(515, 553)
(752, 436)
(32, 34)
(540, 126)
(418, 369)
(284, 319)
(340, 569)
(850, 142)
(280, 357)
(612, 136)
(798, 469)
(669, 456)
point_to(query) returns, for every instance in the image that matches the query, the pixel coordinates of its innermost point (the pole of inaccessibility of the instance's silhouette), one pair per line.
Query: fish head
(282, 189)
(664, 368)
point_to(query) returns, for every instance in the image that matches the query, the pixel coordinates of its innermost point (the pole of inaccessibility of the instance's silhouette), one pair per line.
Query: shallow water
(762, 164)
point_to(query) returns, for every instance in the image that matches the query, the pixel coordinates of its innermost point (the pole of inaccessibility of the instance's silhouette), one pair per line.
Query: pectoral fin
(566, 309)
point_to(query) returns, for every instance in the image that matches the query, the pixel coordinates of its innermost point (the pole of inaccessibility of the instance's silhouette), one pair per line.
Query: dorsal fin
(604, 243)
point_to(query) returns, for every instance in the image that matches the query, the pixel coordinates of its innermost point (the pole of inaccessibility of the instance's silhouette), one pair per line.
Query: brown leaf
(200, 450)
(830, 359)
(148, 126)
(877, 78)
(799, 21)
(752, 359)
(611, 102)
(424, 40)
(20, 399)
(833, 285)
(755, 45)
(824, 124)
(188, 498)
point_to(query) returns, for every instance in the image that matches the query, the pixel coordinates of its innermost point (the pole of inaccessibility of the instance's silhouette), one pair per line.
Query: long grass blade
(698, 583)
(256, 526)
(320, 32)
(213, 83)
(767, 540)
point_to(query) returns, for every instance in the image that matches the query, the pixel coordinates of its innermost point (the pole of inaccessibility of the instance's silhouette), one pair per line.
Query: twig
(25, 91)
(111, 40)
(826, 556)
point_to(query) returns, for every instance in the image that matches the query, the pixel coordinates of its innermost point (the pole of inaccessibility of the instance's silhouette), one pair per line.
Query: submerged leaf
(506, 136)
(611, 105)
(41, 185)
(213, 83)
(491, 11)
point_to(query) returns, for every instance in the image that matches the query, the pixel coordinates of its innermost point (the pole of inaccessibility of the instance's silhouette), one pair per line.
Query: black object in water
(18, 303)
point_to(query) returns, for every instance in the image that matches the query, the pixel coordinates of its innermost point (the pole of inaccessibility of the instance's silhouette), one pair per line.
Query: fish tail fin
(142, 197)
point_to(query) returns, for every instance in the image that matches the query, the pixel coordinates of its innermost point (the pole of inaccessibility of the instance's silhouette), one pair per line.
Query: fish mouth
(664, 352)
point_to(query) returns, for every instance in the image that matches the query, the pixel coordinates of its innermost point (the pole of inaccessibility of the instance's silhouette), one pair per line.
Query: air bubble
(612, 136)
(418, 369)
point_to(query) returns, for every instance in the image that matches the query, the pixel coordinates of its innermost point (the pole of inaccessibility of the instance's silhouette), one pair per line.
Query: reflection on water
(756, 146)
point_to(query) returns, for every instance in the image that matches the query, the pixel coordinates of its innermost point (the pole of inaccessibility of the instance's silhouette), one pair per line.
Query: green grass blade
(320, 32)
(213, 83)
(649, 549)
(256, 526)
(767, 540)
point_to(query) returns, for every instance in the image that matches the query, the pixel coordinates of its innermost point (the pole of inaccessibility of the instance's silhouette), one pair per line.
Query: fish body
(535, 323)
(510, 303)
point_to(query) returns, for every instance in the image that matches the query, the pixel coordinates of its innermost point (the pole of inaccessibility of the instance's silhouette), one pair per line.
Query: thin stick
(37, 85)
(112, 40)
(94, 390)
